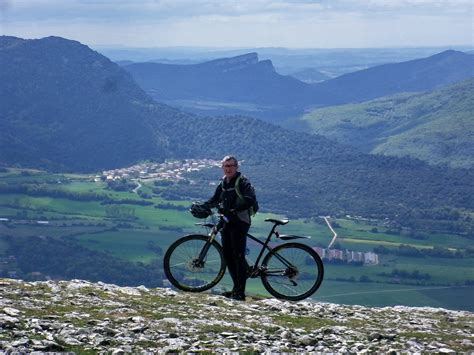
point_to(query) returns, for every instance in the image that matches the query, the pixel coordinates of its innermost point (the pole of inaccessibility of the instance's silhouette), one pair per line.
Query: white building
(371, 258)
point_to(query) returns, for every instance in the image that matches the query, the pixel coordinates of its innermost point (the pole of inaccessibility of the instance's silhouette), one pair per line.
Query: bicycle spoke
(186, 271)
(293, 271)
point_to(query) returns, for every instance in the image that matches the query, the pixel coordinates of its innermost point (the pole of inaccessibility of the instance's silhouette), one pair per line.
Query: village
(169, 170)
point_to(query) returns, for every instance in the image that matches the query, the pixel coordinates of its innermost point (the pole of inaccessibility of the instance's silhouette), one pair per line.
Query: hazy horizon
(229, 24)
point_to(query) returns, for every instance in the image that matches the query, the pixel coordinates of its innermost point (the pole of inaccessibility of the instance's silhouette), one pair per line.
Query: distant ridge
(238, 79)
(417, 75)
(243, 84)
(231, 64)
(9, 41)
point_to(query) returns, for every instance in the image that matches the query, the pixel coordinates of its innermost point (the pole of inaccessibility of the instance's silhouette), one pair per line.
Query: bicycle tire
(183, 273)
(281, 282)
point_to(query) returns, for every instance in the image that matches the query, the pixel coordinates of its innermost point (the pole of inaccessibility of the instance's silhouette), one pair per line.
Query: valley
(77, 226)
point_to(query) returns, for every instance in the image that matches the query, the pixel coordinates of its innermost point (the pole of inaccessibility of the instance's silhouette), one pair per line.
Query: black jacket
(226, 199)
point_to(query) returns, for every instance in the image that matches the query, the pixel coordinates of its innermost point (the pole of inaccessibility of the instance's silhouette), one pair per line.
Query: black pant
(234, 243)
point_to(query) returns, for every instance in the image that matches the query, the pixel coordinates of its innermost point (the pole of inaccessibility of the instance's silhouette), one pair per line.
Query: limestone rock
(81, 316)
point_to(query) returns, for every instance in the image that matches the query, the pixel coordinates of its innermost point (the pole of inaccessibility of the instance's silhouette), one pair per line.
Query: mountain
(435, 127)
(243, 78)
(243, 84)
(223, 86)
(424, 74)
(83, 317)
(333, 61)
(65, 107)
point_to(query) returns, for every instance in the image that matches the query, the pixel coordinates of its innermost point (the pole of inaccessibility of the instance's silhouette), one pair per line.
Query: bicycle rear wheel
(187, 271)
(293, 271)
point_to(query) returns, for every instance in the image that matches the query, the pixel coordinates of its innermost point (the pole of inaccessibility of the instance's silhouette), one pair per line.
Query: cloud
(294, 23)
(157, 10)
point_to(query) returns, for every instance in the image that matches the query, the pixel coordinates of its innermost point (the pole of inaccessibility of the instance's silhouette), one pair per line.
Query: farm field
(379, 295)
(128, 227)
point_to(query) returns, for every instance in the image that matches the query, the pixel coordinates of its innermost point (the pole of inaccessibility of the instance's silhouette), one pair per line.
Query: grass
(303, 322)
(352, 231)
(22, 231)
(59, 205)
(382, 294)
(84, 186)
(442, 270)
(132, 245)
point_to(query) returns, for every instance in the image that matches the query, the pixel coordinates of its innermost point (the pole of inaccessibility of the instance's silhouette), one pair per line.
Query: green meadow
(381, 295)
(143, 233)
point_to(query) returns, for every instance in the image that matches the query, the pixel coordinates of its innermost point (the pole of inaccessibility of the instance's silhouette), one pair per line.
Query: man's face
(230, 168)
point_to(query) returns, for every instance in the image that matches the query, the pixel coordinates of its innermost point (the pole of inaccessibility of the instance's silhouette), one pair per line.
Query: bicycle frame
(291, 271)
(215, 228)
(256, 269)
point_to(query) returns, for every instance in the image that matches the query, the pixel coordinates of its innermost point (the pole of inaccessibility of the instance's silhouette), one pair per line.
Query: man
(234, 234)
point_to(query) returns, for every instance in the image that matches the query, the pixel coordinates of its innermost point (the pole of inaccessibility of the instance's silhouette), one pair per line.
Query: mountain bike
(291, 271)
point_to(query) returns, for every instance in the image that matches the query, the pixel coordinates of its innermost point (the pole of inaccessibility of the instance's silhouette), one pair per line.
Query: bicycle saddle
(278, 222)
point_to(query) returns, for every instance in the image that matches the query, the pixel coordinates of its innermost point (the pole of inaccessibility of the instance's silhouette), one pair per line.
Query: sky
(244, 23)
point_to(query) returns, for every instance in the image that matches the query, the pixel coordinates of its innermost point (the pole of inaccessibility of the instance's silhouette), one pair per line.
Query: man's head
(230, 165)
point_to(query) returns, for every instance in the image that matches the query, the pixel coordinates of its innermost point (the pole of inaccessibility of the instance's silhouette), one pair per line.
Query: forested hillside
(64, 106)
(435, 127)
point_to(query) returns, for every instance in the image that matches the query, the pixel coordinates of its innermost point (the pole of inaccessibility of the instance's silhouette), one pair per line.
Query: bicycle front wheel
(194, 264)
(293, 271)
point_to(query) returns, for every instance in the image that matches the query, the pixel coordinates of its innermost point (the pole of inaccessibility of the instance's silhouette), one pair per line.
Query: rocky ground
(83, 317)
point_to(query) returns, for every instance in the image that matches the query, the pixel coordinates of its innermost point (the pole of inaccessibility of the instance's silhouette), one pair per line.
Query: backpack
(254, 208)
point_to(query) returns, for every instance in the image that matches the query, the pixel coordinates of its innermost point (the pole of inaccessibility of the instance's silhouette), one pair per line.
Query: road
(138, 187)
(326, 219)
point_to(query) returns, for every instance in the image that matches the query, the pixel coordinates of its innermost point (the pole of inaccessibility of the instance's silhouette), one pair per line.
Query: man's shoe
(238, 297)
(227, 294)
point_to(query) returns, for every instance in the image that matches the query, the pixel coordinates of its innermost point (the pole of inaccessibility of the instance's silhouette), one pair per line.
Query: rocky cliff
(231, 64)
(79, 316)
